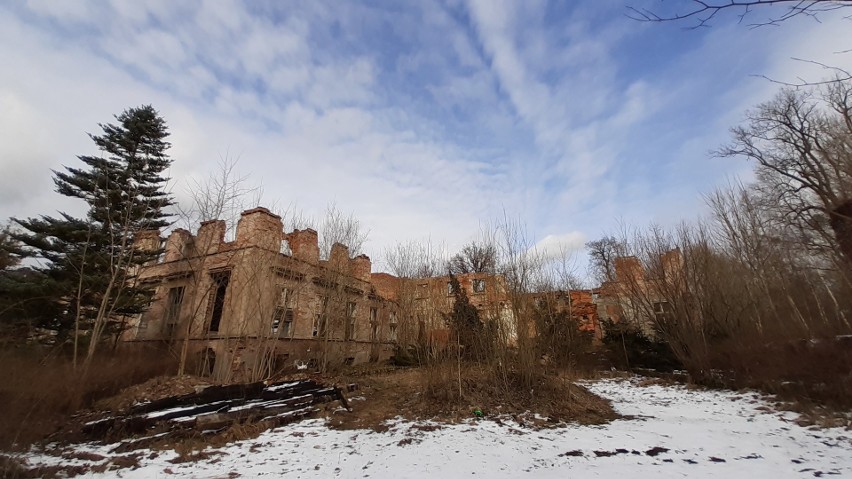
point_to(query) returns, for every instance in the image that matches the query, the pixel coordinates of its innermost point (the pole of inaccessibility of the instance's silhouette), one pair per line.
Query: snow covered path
(675, 432)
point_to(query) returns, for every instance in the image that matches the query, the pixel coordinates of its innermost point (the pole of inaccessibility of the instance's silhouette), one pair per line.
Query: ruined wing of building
(244, 308)
(266, 301)
(644, 294)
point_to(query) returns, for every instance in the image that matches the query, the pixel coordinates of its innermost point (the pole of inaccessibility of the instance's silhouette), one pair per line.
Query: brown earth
(413, 394)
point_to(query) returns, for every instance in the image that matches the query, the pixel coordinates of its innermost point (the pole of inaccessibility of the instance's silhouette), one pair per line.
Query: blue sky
(424, 118)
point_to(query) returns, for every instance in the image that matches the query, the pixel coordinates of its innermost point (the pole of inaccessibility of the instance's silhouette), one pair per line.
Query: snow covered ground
(673, 432)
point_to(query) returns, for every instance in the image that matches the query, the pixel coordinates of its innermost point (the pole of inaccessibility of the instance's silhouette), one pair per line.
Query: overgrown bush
(817, 371)
(456, 388)
(405, 356)
(628, 347)
(559, 338)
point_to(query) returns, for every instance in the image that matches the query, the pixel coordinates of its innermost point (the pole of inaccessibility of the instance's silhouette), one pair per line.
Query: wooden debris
(215, 408)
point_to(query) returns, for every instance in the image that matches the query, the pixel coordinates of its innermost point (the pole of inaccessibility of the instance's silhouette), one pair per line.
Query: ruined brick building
(643, 294)
(425, 302)
(581, 305)
(244, 307)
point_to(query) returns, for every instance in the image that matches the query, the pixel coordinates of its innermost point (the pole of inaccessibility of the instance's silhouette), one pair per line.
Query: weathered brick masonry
(248, 305)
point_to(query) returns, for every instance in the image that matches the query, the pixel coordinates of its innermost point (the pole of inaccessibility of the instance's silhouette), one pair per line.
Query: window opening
(220, 282)
(349, 334)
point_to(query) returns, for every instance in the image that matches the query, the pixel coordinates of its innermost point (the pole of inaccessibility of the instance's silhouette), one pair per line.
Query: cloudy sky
(424, 118)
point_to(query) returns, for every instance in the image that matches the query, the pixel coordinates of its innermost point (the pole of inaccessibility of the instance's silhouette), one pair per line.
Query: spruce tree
(464, 321)
(90, 264)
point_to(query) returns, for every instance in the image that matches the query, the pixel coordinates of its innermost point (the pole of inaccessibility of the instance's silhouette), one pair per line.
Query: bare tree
(343, 228)
(602, 255)
(702, 12)
(475, 257)
(416, 259)
(222, 195)
(418, 295)
(800, 144)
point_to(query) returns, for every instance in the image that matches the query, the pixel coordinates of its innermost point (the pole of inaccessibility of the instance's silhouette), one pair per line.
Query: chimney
(360, 267)
(210, 235)
(672, 262)
(338, 258)
(177, 245)
(261, 228)
(304, 245)
(628, 268)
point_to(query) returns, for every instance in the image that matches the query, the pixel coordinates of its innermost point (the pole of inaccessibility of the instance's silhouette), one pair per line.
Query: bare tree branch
(703, 12)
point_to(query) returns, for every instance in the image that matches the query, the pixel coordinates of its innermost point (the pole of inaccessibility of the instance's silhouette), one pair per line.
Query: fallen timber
(214, 409)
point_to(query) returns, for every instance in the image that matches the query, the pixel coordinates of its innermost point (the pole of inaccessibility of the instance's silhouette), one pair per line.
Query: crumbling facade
(266, 301)
(642, 294)
(427, 302)
(581, 305)
(245, 308)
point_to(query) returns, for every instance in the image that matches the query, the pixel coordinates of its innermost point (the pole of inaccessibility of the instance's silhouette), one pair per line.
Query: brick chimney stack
(304, 244)
(361, 267)
(210, 235)
(176, 245)
(261, 228)
(338, 258)
(628, 268)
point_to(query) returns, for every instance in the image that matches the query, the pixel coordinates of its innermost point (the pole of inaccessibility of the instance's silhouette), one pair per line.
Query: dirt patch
(656, 451)
(552, 401)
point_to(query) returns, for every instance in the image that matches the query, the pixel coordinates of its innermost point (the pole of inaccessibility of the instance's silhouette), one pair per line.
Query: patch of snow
(164, 412)
(668, 431)
(279, 387)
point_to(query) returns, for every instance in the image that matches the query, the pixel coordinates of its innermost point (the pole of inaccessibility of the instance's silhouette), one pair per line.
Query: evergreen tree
(464, 321)
(90, 264)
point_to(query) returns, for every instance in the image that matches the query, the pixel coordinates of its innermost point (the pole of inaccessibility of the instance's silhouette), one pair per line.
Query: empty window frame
(220, 289)
(374, 324)
(478, 285)
(318, 328)
(393, 327)
(282, 322)
(663, 311)
(282, 317)
(349, 333)
(173, 307)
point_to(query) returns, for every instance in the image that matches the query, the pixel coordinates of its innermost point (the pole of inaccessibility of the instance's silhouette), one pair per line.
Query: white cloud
(562, 245)
(426, 137)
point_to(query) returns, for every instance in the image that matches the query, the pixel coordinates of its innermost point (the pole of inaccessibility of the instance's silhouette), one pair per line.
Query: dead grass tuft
(39, 395)
(428, 393)
(151, 390)
(815, 374)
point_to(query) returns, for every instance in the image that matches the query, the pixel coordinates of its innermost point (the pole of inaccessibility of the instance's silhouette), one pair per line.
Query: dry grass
(151, 390)
(814, 374)
(38, 395)
(433, 393)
